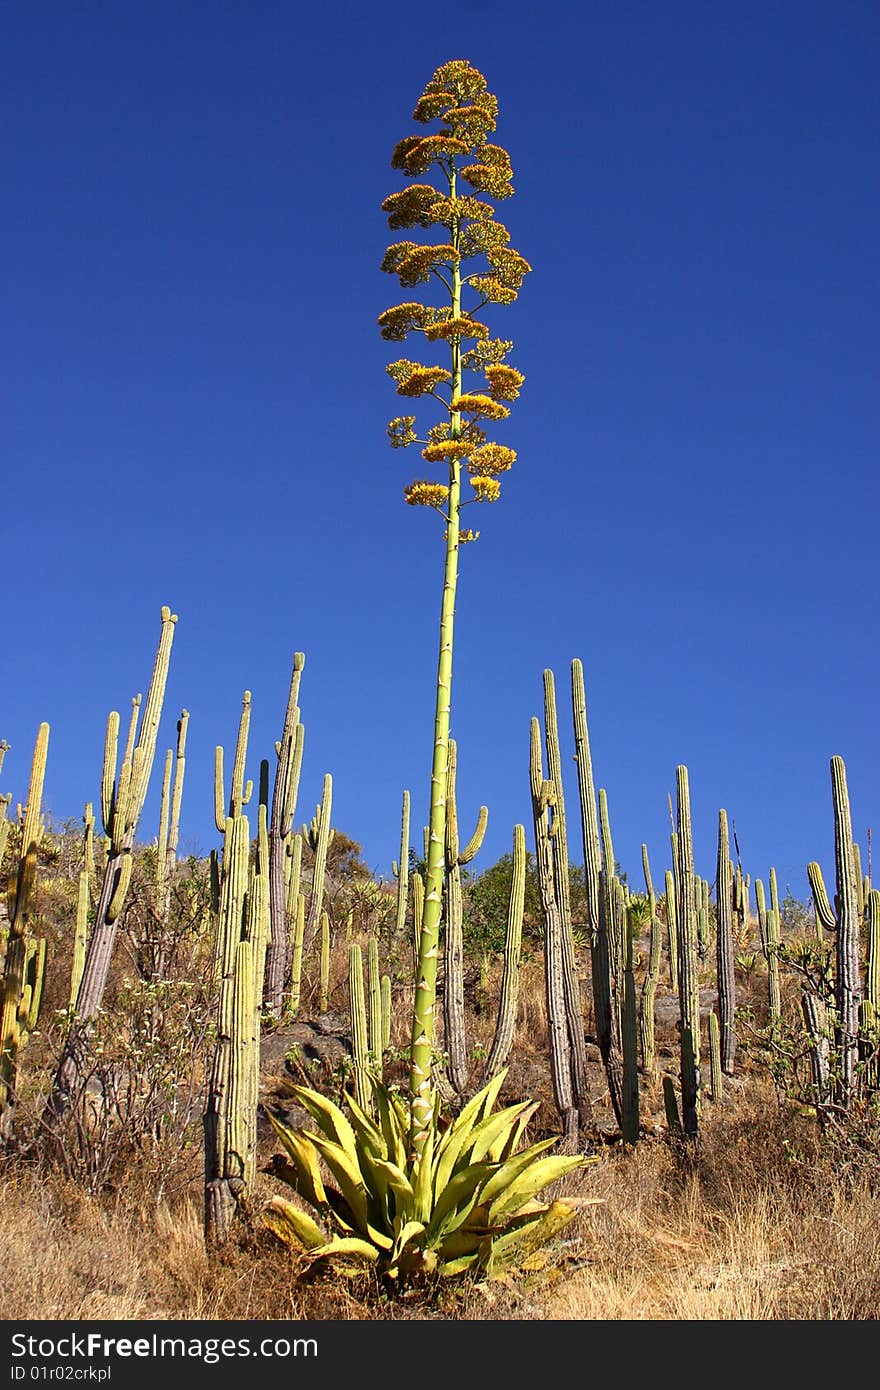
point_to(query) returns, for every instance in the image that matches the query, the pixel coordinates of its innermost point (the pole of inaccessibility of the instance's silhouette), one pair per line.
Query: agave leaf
(450, 1268)
(392, 1122)
(409, 1232)
(295, 1222)
(508, 1172)
(458, 1198)
(400, 1186)
(367, 1133)
(347, 1173)
(493, 1129)
(503, 1152)
(347, 1245)
(509, 1249)
(538, 1175)
(423, 1186)
(456, 1137)
(305, 1162)
(329, 1118)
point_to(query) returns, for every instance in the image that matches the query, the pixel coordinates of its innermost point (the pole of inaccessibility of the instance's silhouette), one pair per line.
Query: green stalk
(424, 1020)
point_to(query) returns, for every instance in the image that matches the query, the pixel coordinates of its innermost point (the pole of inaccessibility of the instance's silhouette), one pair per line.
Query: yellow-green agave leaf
(508, 1172)
(347, 1246)
(348, 1175)
(329, 1118)
(537, 1176)
(305, 1163)
(289, 1221)
(458, 1199)
(512, 1247)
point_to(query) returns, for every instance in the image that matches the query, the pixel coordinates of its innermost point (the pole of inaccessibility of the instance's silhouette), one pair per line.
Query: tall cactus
(400, 868)
(543, 799)
(689, 987)
(24, 962)
(289, 752)
(318, 835)
(570, 984)
(845, 922)
(506, 1022)
(122, 801)
(453, 944)
(724, 953)
(241, 940)
(652, 973)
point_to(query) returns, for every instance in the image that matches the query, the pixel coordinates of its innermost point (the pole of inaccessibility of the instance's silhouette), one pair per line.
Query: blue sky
(194, 405)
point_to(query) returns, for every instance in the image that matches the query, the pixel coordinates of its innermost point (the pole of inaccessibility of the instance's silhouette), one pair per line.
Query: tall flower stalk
(475, 268)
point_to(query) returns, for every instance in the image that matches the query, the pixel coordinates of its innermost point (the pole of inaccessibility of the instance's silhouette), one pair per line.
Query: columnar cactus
(324, 983)
(241, 940)
(461, 152)
(652, 973)
(453, 945)
(24, 961)
(570, 983)
(506, 1022)
(716, 1082)
(296, 958)
(768, 926)
(671, 928)
(400, 868)
(318, 835)
(845, 922)
(289, 752)
(543, 799)
(635, 916)
(81, 930)
(724, 953)
(689, 988)
(599, 880)
(869, 1017)
(122, 802)
(362, 1056)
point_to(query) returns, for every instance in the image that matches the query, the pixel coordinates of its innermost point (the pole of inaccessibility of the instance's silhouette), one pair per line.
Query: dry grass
(754, 1226)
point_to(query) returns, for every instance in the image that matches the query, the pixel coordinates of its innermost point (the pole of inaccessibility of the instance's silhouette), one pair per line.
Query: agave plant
(467, 1202)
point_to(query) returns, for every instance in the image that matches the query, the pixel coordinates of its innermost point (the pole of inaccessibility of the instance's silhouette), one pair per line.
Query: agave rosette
(469, 1202)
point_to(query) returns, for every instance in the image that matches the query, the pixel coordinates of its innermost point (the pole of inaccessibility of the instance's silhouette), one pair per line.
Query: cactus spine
(289, 752)
(724, 896)
(24, 962)
(122, 801)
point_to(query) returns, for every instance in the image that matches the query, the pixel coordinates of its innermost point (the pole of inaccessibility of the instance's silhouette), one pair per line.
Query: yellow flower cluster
(486, 489)
(412, 263)
(397, 321)
(504, 382)
(464, 536)
(509, 266)
(469, 123)
(458, 76)
(492, 290)
(416, 154)
(470, 431)
(491, 460)
(482, 407)
(412, 207)
(482, 237)
(401, 369)
(423, 381)
(487, 353)
(485, 179)
(425, 494)
(431, 105)
(462, 327)
(447, 210)
(447, 449)
(401, 432)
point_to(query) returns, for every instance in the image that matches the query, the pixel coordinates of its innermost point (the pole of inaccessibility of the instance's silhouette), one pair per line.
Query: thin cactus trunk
(122, 801)
(652, 974)
(506, 1022)
(543, 796)
(847, 984)
(319, 836)
(689, 989)
(630, 1033)
(400, 868)
(455, 1041)
(289, 751)
(724, 953)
